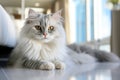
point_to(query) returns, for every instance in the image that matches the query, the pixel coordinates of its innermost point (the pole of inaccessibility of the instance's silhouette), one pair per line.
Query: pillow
(7, 29)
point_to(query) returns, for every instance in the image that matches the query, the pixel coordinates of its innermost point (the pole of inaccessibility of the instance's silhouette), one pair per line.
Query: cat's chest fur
(43, 51)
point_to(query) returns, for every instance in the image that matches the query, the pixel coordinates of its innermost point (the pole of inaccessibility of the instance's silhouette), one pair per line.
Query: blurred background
(87, 22)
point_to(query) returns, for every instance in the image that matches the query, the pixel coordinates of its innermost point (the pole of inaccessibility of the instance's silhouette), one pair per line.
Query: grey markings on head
(43, 22)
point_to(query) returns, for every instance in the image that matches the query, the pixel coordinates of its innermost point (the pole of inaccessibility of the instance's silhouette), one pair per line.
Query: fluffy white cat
(42, 44)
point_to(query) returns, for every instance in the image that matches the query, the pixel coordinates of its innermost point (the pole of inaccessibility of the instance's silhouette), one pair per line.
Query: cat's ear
(31, 13)
(57, 15)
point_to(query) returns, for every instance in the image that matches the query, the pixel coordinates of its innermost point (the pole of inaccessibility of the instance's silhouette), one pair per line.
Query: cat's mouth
(39, 35)
(45, 37)
(42, 37)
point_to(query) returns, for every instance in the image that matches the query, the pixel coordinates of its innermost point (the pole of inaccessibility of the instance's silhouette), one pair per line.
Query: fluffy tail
(99, 55)
(80, 58)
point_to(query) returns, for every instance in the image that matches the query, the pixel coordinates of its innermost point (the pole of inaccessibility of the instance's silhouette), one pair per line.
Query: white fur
(51, 52)
(37, 50)
(83, 58)
(35, 47)
(80, 58)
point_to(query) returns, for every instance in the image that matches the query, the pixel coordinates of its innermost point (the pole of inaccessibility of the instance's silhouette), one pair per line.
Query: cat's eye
(37, 27)
(51, 28)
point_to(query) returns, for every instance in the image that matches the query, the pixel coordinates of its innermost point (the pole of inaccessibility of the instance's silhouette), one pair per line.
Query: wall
(115, 34)
(63, 4)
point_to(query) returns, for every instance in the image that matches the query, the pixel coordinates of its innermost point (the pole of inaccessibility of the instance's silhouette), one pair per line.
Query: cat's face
(43, 27)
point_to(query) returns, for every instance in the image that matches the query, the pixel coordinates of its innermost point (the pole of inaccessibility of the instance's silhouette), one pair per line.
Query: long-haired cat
(42, 45)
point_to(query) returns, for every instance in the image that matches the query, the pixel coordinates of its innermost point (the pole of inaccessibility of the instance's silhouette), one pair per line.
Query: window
(91, 19)
(102, 19)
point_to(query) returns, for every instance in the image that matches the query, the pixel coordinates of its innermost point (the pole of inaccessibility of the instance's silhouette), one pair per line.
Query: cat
(42, 45)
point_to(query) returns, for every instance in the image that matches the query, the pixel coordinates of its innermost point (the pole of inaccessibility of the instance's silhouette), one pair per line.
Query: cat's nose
(44, 35)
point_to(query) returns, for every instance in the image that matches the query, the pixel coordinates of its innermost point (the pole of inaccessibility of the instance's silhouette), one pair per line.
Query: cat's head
(43, 27)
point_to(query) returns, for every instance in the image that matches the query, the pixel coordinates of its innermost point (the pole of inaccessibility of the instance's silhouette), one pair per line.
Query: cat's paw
(47, 66)
(59, 65)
